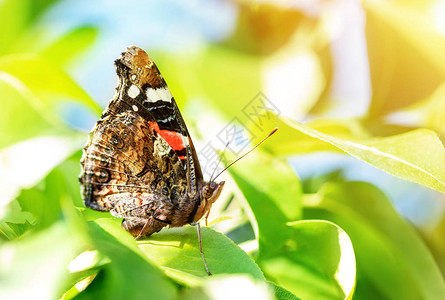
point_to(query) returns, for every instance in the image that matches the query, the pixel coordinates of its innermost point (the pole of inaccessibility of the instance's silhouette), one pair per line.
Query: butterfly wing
(142, 88)
(125, 155)
(139, 162)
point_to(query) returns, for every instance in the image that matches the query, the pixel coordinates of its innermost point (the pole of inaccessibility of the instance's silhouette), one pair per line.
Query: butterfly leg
(144, 214)
(142, 227)
(207, 218)
(198, 229)
(143, 230)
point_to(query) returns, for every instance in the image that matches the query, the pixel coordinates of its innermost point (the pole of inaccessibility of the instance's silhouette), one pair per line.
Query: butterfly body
(139, 162)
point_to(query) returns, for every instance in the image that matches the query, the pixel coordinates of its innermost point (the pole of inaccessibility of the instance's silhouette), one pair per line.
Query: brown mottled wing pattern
(139, 162)
(127, 166)
(154, 102)
(124, 154)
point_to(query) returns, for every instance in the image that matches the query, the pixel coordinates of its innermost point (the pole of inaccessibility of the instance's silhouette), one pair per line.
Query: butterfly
(139, 162)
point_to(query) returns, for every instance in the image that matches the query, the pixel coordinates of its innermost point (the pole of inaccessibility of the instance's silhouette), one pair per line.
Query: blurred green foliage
(336, 239)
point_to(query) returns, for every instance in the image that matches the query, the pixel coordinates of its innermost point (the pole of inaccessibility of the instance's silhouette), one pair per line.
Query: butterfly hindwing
(124, 154)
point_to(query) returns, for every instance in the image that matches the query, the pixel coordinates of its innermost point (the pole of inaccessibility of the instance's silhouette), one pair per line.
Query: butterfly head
(209, 192)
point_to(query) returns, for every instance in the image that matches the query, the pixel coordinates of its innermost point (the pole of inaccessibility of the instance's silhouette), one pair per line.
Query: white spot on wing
(135, 108)
(133, 91)
(154, 95)
(164, 94)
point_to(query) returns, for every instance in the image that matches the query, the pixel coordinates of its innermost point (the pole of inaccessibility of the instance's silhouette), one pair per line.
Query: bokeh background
(356, 69)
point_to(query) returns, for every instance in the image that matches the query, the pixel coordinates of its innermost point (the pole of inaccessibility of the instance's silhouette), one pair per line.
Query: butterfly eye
(133, 77)
(207, 191)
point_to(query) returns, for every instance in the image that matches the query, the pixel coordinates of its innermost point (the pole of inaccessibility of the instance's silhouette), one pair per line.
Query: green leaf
(230, 287)
(47, 201)
(265, 29)
(19, 120)
(204, 75)
(83, 270)
(41, 83)
(14, 214)
(24, 164)
(399, 155)
(274, 200)
(129, 275)
(36, 267)
(408, 68)
(389, 251)
(176, 250)
(317, 262)
(32, 91)
(281, 293)
(287, 140)
(70, 45)
(212, 73)
(14, 17)
(14, 221)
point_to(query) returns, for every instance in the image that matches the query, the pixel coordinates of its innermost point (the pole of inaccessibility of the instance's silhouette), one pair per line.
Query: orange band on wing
(172, 138)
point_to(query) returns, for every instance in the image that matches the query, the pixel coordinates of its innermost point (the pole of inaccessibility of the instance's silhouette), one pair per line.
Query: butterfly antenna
(268, 136)
(219, 161)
